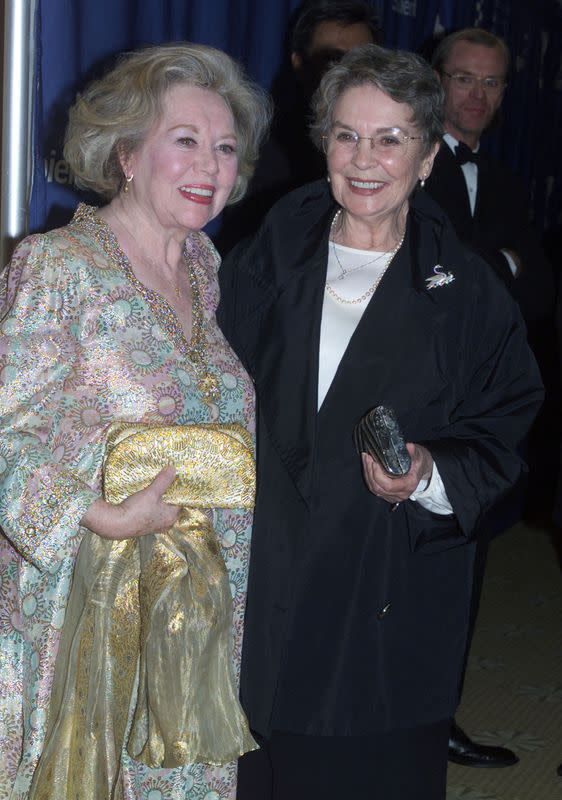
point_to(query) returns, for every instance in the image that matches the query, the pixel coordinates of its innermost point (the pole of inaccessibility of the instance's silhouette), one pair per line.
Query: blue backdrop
(76, 39)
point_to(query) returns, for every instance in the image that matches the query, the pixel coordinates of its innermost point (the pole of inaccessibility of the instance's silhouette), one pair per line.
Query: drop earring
(128, 179)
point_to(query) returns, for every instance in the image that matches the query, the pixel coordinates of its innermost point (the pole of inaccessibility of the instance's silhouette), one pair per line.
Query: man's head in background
(324, 31)
(473, 66)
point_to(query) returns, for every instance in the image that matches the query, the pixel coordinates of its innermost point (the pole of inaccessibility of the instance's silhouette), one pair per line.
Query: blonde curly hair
(114, 114)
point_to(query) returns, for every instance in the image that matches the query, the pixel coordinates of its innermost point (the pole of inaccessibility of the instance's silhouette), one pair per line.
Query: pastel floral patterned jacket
(84, 344)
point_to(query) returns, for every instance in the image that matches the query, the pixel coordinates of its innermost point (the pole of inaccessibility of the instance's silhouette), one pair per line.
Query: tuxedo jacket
(500, 222)
(357, 616)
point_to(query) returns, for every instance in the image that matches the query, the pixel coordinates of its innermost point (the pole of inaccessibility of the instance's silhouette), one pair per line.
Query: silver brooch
(440, 278)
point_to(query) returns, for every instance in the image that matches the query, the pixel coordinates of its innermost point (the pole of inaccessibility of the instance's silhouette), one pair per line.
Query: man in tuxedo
(489, 211)
(484, 200)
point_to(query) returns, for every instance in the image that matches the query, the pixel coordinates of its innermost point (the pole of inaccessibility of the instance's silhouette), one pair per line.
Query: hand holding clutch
(148, 624)
(378, 434)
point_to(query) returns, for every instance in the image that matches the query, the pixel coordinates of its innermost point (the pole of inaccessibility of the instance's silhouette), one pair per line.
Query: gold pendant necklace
(207, 383)
(196, 348)
(176, 289)
(152, 263)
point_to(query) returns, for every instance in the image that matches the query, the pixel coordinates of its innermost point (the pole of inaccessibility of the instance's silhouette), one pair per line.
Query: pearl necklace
(371, 290)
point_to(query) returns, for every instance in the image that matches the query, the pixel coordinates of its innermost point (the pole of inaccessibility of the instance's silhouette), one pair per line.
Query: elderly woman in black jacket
(356, 292)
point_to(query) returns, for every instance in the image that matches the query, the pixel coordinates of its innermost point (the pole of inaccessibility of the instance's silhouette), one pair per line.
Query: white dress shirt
(470, 172)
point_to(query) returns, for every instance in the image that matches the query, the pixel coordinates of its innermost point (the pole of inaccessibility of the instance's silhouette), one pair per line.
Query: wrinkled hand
(394, 490)
(141, 513)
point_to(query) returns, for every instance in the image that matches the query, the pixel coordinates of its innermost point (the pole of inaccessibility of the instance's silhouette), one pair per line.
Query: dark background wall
(77, 39)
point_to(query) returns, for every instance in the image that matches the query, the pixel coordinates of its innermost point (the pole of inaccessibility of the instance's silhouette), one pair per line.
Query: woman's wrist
(103, 518)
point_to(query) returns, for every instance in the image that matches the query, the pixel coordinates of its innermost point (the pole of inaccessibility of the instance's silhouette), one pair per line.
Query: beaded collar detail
(86, 219)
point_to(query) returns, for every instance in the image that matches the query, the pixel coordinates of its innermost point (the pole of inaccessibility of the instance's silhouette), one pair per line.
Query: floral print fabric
(82, 345)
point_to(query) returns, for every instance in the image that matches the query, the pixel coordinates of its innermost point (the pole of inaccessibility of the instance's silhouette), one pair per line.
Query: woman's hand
(141, 513)
(394, 490)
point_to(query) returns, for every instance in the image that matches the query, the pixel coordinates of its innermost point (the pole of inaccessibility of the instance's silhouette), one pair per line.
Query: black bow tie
(463, 154)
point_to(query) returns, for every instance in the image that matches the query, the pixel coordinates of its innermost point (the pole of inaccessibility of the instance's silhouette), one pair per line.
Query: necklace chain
(349, 270)
(371, 290)
(175, 288)
(154, 265)
(345, 271)
(197, 347)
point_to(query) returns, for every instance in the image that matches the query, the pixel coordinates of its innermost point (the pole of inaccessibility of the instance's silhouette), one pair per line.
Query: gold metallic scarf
(148, 623)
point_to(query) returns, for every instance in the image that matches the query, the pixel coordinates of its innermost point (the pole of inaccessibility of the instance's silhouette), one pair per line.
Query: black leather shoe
(462, 750)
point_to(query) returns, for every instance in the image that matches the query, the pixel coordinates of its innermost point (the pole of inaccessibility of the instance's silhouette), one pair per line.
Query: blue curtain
(407, 24)
(529, 137)
(77, 39)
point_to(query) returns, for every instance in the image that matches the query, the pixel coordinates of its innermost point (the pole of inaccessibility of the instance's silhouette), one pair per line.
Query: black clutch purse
(378, 434)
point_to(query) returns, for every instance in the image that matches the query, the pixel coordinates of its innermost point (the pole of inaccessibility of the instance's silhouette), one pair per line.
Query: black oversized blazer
(356, 617)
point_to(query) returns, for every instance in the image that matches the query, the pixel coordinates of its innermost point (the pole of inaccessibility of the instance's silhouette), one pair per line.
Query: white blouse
(351, 274)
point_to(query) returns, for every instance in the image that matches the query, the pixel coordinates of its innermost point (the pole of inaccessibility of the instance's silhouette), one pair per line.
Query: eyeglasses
(466, 82)
(390, 144)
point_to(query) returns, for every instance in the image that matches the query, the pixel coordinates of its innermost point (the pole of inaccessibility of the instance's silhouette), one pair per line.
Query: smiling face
(186, 167)
(469, 112)
(371, 184)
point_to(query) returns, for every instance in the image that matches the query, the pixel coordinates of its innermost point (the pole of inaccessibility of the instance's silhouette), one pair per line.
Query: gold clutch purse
(153, 612)
(214, 463)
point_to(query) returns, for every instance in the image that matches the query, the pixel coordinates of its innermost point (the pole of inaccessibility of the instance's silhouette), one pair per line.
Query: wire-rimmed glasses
(390, 144)
(465, 81)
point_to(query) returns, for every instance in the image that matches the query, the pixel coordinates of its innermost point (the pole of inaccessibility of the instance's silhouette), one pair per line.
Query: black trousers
(408, 764)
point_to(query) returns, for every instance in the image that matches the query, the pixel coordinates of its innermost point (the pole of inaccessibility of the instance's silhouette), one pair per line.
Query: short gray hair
(403, 76)
(114, 114)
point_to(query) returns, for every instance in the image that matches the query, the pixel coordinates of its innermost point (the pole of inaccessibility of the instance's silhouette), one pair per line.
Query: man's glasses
(390, 144)
(466, 82)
